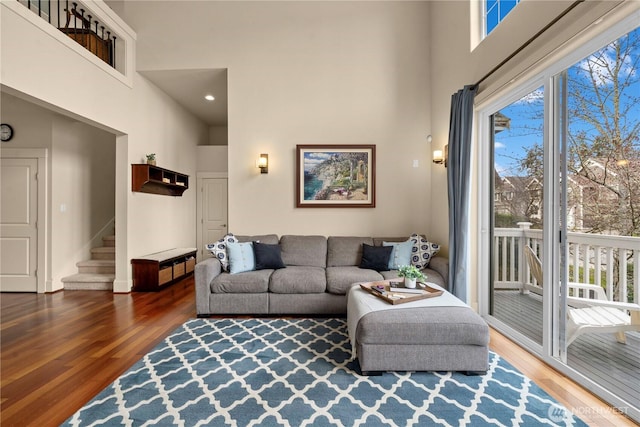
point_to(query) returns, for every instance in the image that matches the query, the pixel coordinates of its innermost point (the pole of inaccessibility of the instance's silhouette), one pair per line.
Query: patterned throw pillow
(219, 250)
(422, 251)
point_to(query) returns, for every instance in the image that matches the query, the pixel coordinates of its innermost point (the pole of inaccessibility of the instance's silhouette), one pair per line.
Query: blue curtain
(458, 182)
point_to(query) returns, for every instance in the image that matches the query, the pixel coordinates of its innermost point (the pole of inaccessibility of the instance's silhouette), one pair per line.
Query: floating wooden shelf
(155, 180)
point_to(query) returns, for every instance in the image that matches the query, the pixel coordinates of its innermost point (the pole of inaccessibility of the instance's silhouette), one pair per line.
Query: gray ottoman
(423, 339)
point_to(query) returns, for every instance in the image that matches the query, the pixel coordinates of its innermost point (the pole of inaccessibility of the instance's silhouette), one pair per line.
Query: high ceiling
(188, 88)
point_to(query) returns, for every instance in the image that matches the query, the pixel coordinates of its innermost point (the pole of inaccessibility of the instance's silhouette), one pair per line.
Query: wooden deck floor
(613, 365)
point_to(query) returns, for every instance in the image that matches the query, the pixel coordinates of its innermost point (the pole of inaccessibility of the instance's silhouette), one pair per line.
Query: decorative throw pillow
(219, 250)
(241, 257)
(267, 256)
(400, 255)
(422, 251)
(375, 257)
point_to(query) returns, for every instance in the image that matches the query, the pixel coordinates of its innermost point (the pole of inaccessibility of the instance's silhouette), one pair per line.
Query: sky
(526, 114)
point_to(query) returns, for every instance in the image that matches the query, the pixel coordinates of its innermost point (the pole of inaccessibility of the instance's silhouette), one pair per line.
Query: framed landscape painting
(335, 176)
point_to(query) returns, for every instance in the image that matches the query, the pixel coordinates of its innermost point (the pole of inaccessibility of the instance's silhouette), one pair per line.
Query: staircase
(97, 273)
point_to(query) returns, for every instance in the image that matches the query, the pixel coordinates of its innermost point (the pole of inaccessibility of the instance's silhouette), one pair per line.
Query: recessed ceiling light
(209, 97)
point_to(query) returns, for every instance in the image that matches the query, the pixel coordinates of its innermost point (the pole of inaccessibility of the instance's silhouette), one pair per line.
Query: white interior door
(18, 225)
(214, 211)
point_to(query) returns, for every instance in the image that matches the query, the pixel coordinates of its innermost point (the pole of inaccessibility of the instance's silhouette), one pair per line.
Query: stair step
(104, 252)
(100, 266)
(109, 241)
(89, 282)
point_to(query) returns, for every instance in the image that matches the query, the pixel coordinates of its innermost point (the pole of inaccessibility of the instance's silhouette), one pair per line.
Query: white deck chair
(595, 314)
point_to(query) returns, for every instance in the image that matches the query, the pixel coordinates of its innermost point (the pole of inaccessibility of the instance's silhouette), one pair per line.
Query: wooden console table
(156, 271)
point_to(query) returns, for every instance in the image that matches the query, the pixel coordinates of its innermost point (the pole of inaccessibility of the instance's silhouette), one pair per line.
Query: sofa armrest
(441, 265)
(205, 272)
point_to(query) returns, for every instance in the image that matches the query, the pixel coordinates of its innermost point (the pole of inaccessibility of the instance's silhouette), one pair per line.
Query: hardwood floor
(59, 350)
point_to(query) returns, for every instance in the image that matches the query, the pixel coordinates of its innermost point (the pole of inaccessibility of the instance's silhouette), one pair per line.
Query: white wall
(31, 124)
(456, 65)
(73, 84)
(163, 127)
(212, 159)
(32, 129)
(142, 119)
(83, 193)
(218, 135)
(81, 178)
(299, 73)
(308, 73)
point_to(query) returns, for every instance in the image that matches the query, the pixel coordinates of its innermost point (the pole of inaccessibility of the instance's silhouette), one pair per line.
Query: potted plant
(411, 274)
(151, 159)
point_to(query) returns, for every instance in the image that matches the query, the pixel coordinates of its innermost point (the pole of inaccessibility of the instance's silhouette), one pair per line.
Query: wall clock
(6, 132)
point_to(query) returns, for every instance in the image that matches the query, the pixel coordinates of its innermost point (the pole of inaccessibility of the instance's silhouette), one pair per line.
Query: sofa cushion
(375, 257)
(298, 280)
(270, 239)
(401, 254)
(345, 251)
(241, 283)
(304, 250)
(267, 256)
(340, 279)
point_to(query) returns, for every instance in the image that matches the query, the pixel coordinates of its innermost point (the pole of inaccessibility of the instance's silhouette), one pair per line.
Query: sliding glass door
(517, 178)
(563, 213)
(602, 106)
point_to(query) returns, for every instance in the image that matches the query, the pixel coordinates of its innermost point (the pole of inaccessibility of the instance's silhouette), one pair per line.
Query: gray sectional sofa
(319, 272)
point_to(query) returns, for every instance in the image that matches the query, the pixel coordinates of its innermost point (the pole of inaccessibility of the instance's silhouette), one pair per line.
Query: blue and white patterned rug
(298, 372)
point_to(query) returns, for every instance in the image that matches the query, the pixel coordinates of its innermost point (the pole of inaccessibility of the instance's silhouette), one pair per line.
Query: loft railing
(612, 262)
(77, 21)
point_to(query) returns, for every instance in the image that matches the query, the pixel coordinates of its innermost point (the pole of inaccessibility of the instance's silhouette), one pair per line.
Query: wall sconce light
(440, 157)
(263, 163)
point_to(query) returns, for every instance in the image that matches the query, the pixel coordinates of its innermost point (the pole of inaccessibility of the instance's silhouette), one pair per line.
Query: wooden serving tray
(399, 297)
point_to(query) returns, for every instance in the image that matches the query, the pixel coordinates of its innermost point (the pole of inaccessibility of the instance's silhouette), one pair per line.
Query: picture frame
(335, 176)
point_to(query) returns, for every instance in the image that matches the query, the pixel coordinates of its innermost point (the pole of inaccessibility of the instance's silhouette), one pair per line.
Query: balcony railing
(77, 21)
(610, 261)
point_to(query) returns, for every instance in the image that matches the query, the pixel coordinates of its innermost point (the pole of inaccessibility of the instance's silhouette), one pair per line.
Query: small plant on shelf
(151, 159)
(411, 272)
